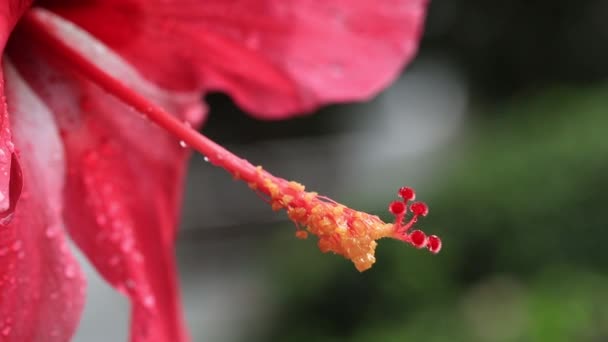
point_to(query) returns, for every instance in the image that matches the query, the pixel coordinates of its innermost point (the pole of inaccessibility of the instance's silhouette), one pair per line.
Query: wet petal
(41, 286)
(10, 12)
(274, 57)
(124, 178)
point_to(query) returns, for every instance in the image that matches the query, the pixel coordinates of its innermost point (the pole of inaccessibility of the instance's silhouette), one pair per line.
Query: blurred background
(499, 124)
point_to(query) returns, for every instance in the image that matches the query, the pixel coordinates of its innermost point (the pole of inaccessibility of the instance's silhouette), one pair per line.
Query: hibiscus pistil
(340, 229)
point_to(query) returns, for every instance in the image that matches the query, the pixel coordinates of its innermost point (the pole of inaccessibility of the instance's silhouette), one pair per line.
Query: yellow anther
(340, 230)
(301, 234)
(296, 186)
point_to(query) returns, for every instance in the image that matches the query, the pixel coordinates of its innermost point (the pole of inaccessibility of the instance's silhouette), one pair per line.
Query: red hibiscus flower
(77, 159)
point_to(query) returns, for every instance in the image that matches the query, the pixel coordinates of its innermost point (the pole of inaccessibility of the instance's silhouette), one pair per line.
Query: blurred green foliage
(523, 219)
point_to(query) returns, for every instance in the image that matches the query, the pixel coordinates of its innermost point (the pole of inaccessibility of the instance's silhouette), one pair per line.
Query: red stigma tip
(420, 208)
(418, 239)
(434, 244)
(407, 193)
(397, 208)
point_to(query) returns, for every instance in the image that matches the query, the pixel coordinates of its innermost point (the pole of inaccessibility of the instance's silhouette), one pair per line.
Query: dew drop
(6, 330)
(194, 113)
(253, 41)
(206, 159)
(51, 232)
(17, 245)
(336, 70)
(149, 301)
(130, 283)
(114, 260)
(138, 257)
(101, 219)
(63, 247)
(70, 271)
(113, 207)
(127, 246)
(183, 144)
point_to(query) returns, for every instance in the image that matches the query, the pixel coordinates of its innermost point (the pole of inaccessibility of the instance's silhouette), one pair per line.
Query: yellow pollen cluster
(340, 229)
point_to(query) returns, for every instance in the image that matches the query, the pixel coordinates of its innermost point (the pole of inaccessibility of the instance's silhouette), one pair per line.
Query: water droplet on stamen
(206, 159)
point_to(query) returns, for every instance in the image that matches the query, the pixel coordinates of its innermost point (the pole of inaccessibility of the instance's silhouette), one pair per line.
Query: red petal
(41, 286)
(124, 179)
(275, 57)
(10, 12)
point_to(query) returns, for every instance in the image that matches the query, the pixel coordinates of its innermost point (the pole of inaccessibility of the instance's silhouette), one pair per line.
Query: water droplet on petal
(253, 41)
(16, 245)
(138, 257)
(114, 261)
(51, 231)
(127, 246)
(101, 219)
(6, 330)
(183, 144)
(195, 113)
(149, 301)
(130, 283)
(70, 271)
(336, 70)
(14, 191)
